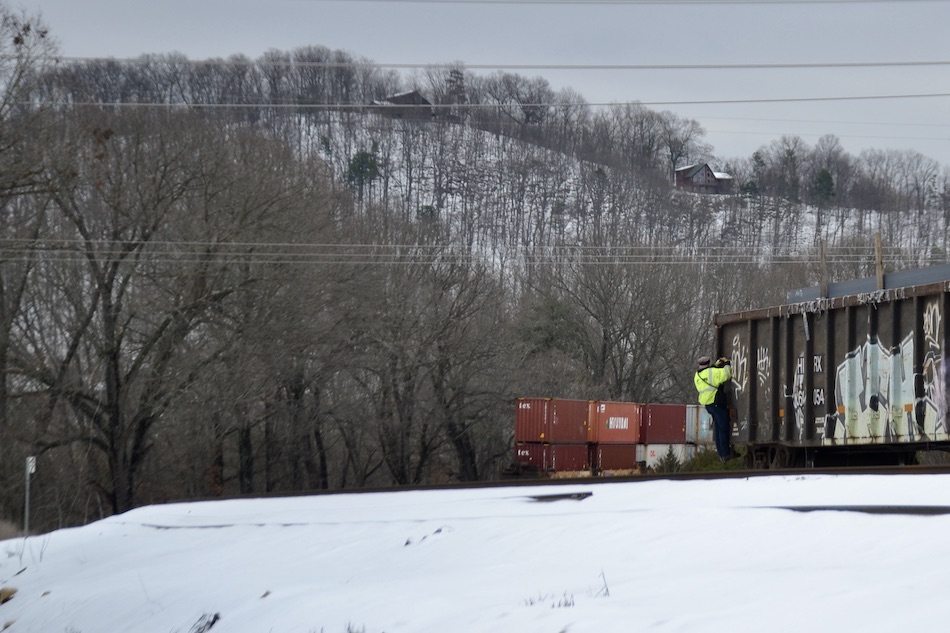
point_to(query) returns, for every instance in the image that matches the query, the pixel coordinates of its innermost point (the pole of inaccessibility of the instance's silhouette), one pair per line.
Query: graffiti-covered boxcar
(842, 380)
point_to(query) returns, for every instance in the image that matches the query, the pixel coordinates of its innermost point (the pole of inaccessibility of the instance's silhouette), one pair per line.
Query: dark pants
(721, 429)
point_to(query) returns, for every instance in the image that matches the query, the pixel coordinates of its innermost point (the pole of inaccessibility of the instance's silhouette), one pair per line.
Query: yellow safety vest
(708, 380)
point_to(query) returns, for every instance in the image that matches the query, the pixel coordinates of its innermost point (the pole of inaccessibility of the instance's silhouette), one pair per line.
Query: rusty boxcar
(855, 379)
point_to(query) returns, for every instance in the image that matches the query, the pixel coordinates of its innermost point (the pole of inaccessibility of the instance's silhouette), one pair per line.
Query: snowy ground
(703, 556)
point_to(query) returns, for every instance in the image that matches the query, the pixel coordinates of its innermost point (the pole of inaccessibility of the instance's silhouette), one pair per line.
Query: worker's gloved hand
(722, 362)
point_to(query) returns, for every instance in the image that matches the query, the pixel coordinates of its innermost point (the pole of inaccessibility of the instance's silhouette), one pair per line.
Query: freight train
(842, 378)
(853, 374)
(555, 436)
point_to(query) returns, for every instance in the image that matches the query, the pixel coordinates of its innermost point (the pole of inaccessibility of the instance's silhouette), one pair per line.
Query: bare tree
(470, 366)
(525, 102)
(682, 141)
(26, 53)
(642, 136)
(393, 363)
(828, 156)
(147, 205)
(625, 322)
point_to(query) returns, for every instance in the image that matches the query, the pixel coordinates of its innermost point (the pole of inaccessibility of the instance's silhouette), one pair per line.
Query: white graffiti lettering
(932, 319)
(799, 397)
(740, 365)
(763, 363)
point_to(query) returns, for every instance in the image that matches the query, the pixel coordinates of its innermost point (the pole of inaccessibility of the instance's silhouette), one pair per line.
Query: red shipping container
(615, 456)
(529, 455)
(530, 417)
(615, 422)
(567, 457)
(664, 424)
(552, 457)
(551, 420)
(569, 421)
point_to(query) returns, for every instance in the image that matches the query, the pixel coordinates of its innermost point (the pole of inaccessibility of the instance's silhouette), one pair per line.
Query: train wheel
(778, 457)
(761, 457)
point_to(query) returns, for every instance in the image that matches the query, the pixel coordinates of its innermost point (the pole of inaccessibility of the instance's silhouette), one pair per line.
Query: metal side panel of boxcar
(864, 373)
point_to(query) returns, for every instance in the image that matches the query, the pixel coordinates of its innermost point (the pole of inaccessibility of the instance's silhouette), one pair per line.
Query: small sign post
(30, 469)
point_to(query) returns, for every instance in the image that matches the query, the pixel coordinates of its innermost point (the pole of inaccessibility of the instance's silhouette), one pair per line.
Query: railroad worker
(709, 380)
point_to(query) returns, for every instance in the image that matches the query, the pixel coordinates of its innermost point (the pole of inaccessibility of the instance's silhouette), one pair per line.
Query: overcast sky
(488, 35)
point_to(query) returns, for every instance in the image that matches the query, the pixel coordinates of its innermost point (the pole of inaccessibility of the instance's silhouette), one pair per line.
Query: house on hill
(702, 179)
(407, 105)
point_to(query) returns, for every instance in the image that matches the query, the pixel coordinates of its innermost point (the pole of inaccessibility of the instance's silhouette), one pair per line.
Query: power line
(795, 99)
(823, 121)
(609, 67)
(383, 106)
(641, 2)
(471, 107)
(820, 134)
(584, 261)
(518, 66)
(79, 241)
(184, 252)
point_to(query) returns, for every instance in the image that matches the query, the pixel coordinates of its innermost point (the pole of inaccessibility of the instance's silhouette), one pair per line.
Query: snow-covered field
(702, 556)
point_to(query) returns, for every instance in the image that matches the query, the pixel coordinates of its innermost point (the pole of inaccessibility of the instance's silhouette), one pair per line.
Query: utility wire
(368, 260)
(823, 121)
(411, 261)
(382, 106)
(465, 66)
(610, 67)
(641, 2)
(613, 67)
(168, 252)
(11, 244)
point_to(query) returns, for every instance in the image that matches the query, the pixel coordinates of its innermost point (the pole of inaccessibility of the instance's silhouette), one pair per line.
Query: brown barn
(408, 105)
(702, 179)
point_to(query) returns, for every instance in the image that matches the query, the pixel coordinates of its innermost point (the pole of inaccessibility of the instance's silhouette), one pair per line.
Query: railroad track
(596, 481)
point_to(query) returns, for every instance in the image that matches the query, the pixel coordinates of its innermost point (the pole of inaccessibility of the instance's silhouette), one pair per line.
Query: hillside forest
(238, 276)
